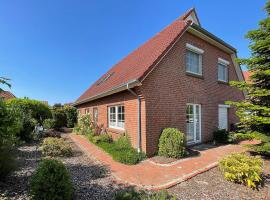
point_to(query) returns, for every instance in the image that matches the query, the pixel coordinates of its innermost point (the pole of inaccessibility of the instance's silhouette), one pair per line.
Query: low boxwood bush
(51, 181)
(221, 136)
(102, 138)
(53, 146)
(172, 143)
(49, 123)
(131, 194)
(241, 168)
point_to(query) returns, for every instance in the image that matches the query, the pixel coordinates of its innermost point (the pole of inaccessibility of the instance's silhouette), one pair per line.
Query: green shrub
(51, 181)
(221, 136)
(53, 146)
(102, 138)
(172, 143)
(262, 149)
(131, 194)
(30, 113)
(9, 127)
(241, 168)
(245, 136)
(84, 125)
(71, 116)
(59, 117)
(7, 160)
(120, 150)
(49, 123)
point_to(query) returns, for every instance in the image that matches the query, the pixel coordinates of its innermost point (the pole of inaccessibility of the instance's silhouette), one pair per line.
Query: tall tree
(254, 112)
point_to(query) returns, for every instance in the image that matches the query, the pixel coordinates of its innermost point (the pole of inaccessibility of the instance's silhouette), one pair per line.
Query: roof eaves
(116, 89)
(213, 37)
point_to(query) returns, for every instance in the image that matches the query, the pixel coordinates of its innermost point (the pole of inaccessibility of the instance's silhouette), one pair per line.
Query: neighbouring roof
(247, 74)
(140, 62)
(6, 95)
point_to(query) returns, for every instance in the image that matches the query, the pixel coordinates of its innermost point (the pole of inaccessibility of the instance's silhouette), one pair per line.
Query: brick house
(179, 78)
(6, 95)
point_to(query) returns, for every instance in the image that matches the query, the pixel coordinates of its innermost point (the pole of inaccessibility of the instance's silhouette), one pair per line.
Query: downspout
(139, 131)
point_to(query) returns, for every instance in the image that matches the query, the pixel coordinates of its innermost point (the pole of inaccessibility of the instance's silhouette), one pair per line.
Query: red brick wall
(168, 89)
(131, 115)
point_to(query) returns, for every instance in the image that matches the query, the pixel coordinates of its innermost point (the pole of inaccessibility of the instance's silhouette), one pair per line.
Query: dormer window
(223, 70)
(194, 59)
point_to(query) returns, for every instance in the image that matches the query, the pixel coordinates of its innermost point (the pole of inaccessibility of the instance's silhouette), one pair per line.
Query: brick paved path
(154, 176)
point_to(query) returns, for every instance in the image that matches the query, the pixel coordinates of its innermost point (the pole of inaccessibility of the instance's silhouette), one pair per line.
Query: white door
(223, 117)
(193, 123)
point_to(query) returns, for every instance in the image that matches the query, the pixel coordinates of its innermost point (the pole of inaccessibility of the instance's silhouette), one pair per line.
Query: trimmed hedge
(51, 181)
(172, 143)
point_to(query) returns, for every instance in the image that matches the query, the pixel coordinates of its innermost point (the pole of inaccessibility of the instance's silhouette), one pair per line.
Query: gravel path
(211, 185)
(94, 181)
(16, 185)
(90, 179)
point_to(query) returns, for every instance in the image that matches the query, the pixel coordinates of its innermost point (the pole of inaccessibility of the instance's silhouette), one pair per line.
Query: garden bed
(212, 185)
(120, 150)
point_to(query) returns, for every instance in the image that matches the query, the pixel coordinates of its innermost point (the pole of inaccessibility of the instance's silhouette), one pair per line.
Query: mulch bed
(211, 185)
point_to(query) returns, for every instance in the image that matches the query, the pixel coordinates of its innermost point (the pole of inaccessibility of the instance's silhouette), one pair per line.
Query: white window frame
(116, 117)
(225, 64)
(197, 51)
(95, 109)
(86, 111)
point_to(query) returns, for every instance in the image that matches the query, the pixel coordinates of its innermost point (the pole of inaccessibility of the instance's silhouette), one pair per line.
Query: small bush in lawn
(49, 123)
(172, 143)
(52, 146)
(241, 168)
(51, 181)
(262, 149)
(221, 136)
(131, 194)
(102, 138)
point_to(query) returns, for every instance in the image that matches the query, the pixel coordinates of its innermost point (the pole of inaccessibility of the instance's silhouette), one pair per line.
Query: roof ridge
(140, 60)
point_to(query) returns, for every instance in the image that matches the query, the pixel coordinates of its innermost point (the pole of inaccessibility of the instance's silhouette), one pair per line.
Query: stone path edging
(153, 176)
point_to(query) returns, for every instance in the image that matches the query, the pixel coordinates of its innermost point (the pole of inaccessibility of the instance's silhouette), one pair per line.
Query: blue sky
(55, 49)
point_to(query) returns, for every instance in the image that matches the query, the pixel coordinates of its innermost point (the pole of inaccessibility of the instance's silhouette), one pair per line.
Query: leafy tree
(4, 81)
(30, 112)
(254, 112)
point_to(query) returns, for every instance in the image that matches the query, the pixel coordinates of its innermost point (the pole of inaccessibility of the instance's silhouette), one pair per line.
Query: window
(223, 70)
(86, 111)
(194, 59)
(117, 117)
(95, 115)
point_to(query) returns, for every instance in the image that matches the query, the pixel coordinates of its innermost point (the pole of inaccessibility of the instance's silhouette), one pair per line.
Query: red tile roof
(247, 74)
(137, 64)
(6, 95)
